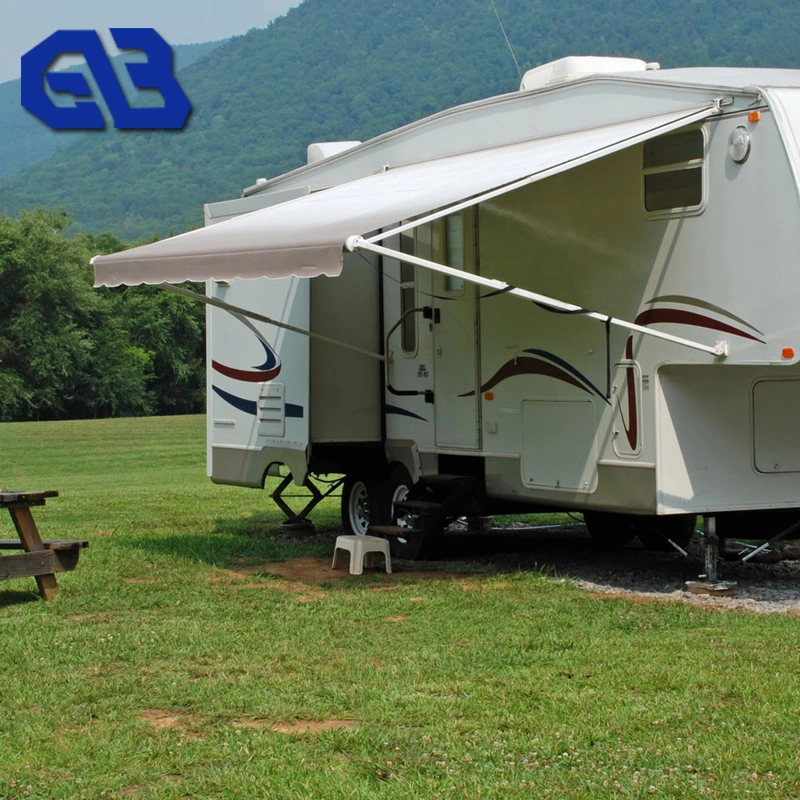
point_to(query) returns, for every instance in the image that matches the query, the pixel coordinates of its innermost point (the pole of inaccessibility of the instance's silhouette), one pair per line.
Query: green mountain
(25, 140)
(351, 69)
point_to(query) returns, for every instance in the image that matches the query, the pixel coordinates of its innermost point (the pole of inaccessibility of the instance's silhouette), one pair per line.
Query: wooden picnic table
(41, 559)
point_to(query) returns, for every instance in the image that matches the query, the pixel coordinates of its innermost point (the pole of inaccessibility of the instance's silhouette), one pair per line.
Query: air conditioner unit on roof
(572, 67)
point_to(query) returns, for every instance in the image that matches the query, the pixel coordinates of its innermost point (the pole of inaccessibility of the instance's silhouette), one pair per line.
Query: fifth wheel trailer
(578, 296)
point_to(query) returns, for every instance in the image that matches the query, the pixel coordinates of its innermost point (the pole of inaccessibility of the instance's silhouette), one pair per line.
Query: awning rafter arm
(354, 243)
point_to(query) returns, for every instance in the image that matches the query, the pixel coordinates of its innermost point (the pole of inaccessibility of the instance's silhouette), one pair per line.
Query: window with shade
(442, 241)
(408, 295)
(673, 173)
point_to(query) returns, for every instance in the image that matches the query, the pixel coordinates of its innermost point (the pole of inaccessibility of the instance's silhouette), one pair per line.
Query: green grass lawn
(166, 669)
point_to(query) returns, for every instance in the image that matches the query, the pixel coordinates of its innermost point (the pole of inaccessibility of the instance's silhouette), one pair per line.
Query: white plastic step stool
(361, 549)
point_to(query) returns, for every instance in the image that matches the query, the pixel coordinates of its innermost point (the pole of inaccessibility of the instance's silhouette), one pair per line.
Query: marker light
(489, 395)
(788, 352)
(754, 116)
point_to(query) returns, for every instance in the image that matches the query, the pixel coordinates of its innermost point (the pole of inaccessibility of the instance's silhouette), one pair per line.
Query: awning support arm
(354, 243)
(212, 301)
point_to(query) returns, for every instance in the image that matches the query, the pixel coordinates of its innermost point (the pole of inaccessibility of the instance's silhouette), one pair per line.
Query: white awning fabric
(306, 236)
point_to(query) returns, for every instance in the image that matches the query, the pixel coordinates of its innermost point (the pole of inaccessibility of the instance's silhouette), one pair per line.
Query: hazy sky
(24, 23)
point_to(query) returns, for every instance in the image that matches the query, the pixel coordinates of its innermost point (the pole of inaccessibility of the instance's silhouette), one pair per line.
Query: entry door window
(454, 251)
(408, 296)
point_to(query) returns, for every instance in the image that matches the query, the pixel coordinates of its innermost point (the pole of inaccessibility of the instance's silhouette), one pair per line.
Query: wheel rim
(358, 508)
(401, 493)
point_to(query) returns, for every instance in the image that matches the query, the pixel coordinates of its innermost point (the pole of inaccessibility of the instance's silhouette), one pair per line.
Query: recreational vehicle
(577, 296)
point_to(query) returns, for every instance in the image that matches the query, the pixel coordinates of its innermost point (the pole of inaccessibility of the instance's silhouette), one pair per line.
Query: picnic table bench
(41, 559)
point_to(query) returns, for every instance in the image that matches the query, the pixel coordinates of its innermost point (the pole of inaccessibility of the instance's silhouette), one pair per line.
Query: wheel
(395, 489)
(608, 529)
(653, 532)
(358, 496)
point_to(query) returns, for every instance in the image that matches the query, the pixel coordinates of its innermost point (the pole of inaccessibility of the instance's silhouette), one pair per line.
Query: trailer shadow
(565, 552)
(258, 547)
(569, 552)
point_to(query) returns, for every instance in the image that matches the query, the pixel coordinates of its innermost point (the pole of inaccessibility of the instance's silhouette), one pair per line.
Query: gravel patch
(632, 571)
(568, 552)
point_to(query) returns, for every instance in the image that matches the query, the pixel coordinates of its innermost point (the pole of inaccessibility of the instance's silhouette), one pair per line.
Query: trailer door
(455, 334)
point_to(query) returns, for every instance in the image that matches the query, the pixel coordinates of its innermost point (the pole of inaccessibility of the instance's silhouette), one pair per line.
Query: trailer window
(408, 296)
(441, 241)
(673, 173)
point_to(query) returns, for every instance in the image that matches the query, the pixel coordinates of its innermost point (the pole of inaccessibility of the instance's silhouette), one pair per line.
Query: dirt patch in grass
(472, 585)
(306, 570)
(311, 570)
(162, 719)
(310, 597)
(250, 722)
(563, 552)
(312, 726)
(297, 576)
(303, 577)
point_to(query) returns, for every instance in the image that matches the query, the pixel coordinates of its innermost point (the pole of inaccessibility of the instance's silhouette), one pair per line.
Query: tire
(653, 532)
(610, 530)
(396, 488)
(358, 500)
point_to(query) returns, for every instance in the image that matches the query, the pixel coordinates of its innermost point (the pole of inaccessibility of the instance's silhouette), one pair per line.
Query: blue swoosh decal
(291, 410)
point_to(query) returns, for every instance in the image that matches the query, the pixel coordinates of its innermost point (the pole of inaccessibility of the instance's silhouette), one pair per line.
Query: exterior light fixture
(739, 144)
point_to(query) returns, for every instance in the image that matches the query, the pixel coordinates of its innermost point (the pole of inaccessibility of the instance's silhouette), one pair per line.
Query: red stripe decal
(528, 366)
(655, 315)
(246, 375)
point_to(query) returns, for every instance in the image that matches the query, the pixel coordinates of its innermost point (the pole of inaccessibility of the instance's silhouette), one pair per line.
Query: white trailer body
(668, 202)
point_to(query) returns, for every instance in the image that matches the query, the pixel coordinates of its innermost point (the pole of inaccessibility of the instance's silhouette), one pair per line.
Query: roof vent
(319, 150)
(573, 67)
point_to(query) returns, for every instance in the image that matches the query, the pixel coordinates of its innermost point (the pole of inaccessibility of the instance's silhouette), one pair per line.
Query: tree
(167, 330)
(170, 332)
(62, 352)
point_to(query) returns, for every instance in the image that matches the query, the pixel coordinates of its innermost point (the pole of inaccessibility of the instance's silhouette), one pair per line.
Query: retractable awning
(306, 236)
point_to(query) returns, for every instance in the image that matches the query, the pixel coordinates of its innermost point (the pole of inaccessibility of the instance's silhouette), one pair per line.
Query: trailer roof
(731, 78)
